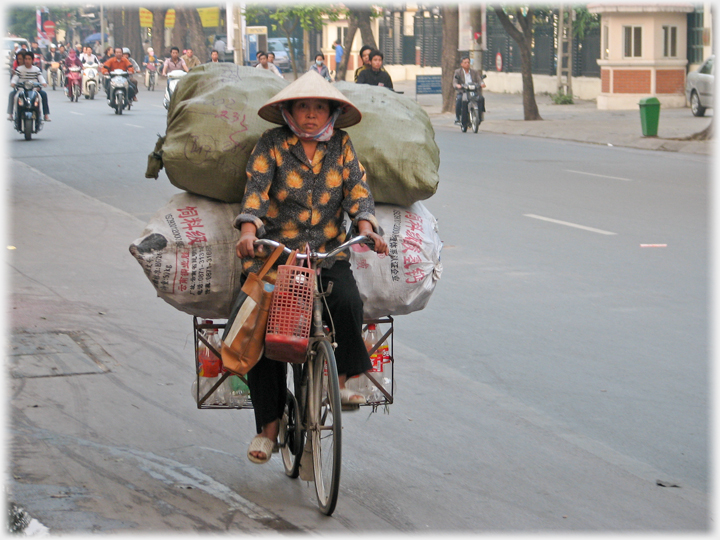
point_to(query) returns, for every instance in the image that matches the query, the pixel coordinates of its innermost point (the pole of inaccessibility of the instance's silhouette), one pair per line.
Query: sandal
(261, 444)
(350, 397)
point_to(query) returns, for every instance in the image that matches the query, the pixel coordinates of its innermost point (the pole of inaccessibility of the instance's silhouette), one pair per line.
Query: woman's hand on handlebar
(245, 247)
(380, 244)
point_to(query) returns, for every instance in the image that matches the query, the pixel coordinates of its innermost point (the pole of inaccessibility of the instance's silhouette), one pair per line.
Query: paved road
(557, 373)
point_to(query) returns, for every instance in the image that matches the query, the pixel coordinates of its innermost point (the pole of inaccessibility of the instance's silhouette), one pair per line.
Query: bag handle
(292, 258)
(270, 261)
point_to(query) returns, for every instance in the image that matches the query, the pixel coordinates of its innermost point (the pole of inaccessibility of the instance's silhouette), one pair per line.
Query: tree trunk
(158, 32)
(288, 34)
(179, 32)
(523, 37)
(362, 15)
(195, 34)
(116, 19)
(341, 70)
(450, 60)
(133, 40)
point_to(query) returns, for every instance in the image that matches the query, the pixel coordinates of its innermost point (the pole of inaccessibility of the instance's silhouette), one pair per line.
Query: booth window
(633, 41)
(669, 41)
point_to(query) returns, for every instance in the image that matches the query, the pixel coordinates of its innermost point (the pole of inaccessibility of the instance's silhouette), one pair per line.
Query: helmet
(150, 50)
(52, 46)
(126, 50)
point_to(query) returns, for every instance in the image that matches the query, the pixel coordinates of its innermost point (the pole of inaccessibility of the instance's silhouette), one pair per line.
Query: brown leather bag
(243, 341)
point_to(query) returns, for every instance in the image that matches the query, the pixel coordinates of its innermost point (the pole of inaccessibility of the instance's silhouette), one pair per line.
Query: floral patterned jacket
(294, 201)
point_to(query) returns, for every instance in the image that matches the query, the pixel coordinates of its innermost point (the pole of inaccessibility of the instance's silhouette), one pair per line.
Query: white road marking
(653, 245)
(568, 224)
(601, 175)
(78, 113)
(134, 125)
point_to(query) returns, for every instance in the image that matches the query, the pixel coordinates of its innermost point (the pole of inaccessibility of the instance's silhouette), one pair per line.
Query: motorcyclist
(174, 62)
(132, 80)
(28, 72)
(88, 57)
(117, 62)
(70, 61)
(465, 75)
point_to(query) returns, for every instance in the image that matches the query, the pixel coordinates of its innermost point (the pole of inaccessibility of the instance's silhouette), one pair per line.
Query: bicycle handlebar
(315, 255)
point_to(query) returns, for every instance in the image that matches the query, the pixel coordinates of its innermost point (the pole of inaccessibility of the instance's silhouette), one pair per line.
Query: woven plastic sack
(395, 142)
(401, 282)
(213, 126)
(187, 250)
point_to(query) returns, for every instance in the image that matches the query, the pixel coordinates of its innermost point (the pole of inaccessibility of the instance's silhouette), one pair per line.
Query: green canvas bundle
(212, 127)
(395, 143)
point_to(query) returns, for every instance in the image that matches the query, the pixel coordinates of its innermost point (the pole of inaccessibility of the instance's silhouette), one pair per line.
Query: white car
(282, 56)
(699, 87)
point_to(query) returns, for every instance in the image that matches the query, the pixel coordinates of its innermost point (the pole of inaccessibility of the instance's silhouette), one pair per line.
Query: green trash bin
(649, 116)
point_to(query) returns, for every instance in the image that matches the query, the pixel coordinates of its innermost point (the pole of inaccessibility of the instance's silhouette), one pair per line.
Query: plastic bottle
(384, 372)
(238, 391)
(210, 367)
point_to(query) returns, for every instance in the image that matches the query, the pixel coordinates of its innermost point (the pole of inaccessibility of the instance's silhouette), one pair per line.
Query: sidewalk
(581, 122)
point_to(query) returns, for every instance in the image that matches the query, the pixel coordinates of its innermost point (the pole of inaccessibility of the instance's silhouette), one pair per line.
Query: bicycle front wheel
(291, 433)
(325, 429)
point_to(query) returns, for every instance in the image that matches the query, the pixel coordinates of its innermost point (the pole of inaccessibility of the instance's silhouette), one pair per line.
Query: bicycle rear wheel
(324, 427)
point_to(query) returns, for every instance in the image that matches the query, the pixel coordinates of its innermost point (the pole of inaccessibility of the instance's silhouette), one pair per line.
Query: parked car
(699, 87)
(282, 56)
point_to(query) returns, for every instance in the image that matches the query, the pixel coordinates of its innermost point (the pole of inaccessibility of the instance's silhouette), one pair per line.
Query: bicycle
(310, 434)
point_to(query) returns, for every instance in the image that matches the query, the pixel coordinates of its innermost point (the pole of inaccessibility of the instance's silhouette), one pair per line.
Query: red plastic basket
(288, 328)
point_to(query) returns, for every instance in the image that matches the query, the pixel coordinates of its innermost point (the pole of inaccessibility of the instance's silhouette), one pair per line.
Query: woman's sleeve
(358, 201)
(260, 173)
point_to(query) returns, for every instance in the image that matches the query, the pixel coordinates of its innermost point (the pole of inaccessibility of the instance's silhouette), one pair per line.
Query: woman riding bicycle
(300, 179)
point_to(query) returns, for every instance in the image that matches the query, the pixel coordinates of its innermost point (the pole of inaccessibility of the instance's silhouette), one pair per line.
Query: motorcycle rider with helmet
(132, 80)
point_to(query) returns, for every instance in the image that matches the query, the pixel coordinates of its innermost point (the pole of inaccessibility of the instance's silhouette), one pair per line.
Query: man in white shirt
(264, 64)
(28, 72)
(88, 57)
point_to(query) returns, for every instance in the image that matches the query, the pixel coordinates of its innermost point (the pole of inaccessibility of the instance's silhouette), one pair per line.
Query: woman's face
(311, 115)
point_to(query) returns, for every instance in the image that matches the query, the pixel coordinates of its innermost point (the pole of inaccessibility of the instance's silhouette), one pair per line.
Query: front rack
(200, 329)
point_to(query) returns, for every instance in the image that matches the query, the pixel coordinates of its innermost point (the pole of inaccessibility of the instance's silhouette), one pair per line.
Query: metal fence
(586, 52)
(425, 46)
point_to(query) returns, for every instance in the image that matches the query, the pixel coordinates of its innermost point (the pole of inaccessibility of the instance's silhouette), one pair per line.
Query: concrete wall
(586, 88)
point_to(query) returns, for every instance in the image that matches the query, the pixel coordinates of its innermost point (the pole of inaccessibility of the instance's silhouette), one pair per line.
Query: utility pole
(477, 25)
(102, 28)
(564, 51)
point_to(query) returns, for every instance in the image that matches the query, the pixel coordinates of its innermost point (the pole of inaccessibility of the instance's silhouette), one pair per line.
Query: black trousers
(267, 379)
(458, 105)
(43, 97)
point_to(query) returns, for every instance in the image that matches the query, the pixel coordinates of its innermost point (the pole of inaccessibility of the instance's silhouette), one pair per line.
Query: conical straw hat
(311, 85)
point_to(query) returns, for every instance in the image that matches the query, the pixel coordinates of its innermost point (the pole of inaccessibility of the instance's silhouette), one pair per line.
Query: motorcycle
(119, 91)
(27, 113)
(74, 88)
(57, 77)
(472, 112)
(90, 80)
(173, 78)
(150, 75)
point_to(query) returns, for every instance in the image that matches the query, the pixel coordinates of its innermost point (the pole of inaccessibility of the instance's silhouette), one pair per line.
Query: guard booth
(256, 39)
